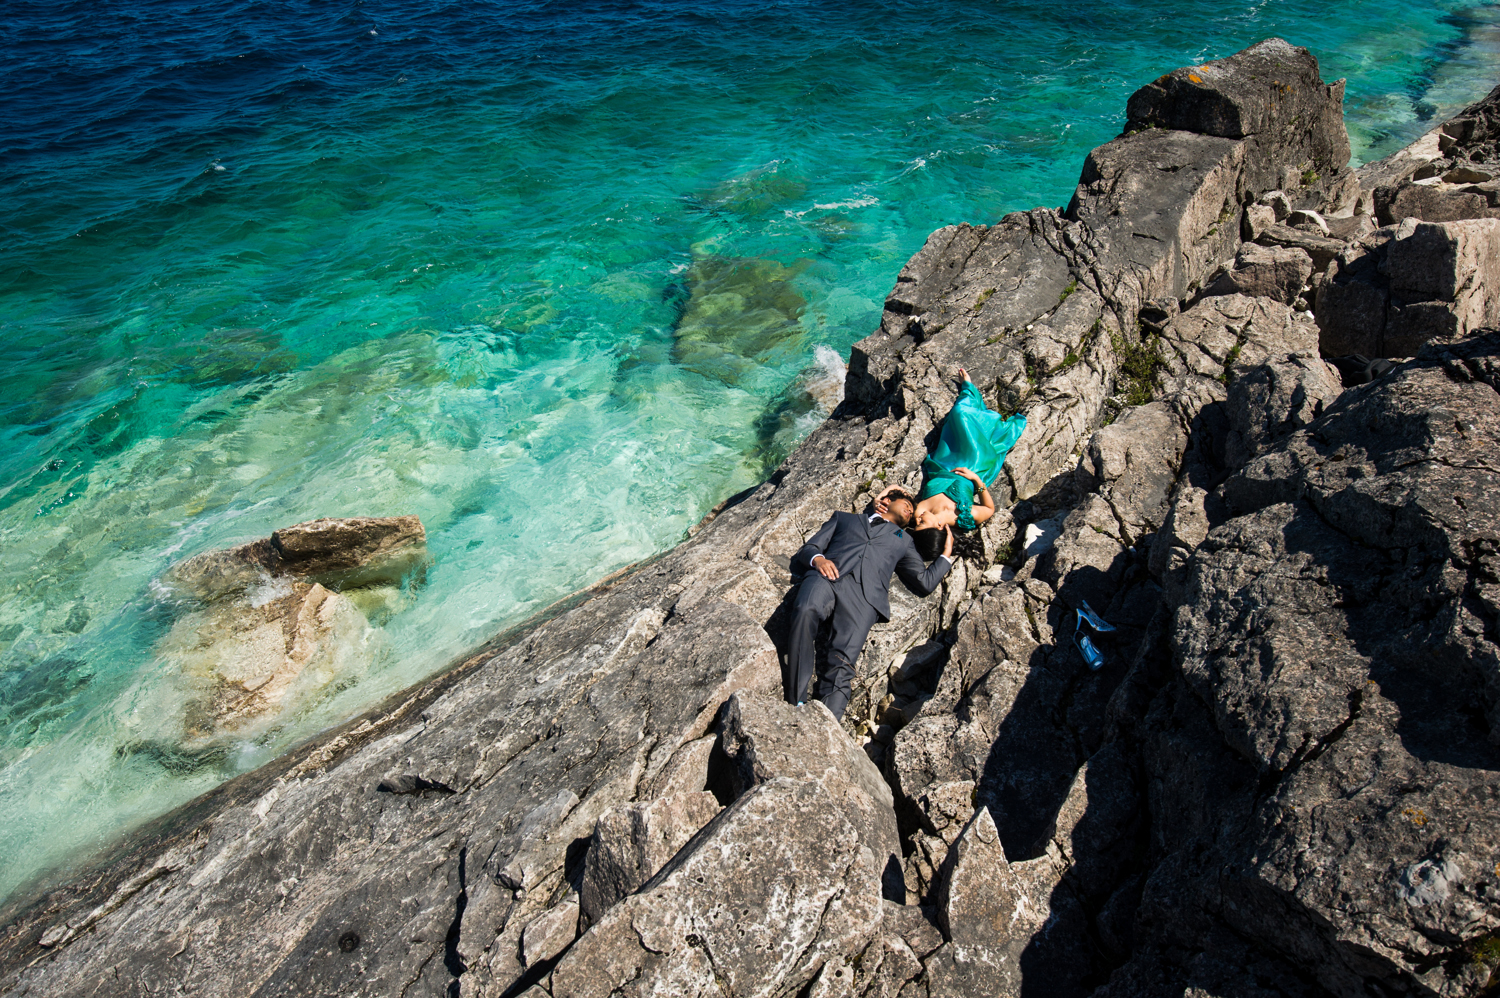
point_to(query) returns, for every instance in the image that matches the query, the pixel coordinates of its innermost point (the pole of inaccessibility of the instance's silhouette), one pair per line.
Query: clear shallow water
(551, 277)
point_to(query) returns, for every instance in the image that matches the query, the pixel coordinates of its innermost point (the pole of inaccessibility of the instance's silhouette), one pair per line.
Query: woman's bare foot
(963, 374)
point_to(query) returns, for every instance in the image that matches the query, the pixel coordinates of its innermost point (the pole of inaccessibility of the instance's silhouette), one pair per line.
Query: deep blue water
(266, 262)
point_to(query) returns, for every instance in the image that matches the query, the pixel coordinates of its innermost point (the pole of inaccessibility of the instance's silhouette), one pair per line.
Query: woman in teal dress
(971, 448)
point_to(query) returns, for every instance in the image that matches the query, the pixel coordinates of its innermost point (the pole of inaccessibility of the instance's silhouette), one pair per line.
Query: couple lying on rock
(850, 559)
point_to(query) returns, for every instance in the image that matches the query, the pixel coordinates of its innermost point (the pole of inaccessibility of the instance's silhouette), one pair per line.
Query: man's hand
(828, 569)
(948, 543)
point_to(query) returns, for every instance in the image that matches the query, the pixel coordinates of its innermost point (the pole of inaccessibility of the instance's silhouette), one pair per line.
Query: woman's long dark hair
(929, 542)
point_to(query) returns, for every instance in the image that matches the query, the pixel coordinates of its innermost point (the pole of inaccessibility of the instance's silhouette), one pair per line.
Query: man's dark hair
(929, 542)
(896, 497)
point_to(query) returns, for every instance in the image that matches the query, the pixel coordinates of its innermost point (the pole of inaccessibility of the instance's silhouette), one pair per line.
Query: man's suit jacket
(867, 553)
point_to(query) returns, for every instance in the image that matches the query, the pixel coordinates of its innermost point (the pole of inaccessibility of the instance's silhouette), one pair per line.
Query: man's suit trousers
(853, 616)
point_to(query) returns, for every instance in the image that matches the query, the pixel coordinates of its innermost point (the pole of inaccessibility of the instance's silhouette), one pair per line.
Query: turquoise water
(557, 279)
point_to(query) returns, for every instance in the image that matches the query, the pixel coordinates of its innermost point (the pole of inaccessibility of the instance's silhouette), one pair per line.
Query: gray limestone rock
(1185, 528)
(1333, 628)
(1320, 248)
(1352, 301)
(773, 889)
(1399, 166)
(1296, 120)
(1286, 390)
(337, 553)
(632, 841)
(1275, 272)
(549, 933)
(980, 904)
(1133, 462)
(266, 625)
(1308, 221)
(685, 772)
(767, 739)
(887, 966)
(1404, 286)
(1430, 202)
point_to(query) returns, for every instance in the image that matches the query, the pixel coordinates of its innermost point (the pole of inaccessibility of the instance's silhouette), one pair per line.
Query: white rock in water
(252, 656)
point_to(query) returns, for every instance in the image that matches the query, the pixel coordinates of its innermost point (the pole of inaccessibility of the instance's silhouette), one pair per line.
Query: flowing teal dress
(972, 437)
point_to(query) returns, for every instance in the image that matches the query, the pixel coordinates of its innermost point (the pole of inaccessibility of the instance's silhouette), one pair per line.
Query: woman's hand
(984, 506)
(948, 543)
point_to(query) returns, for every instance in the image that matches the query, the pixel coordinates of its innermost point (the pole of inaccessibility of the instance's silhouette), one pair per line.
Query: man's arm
(923, 579)
(815, 546)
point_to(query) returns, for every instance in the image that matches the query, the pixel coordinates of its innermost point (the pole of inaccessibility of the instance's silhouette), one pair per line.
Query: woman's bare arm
(984, 504)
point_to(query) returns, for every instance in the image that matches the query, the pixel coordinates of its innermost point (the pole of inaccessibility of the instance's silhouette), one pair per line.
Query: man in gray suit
(849, 562)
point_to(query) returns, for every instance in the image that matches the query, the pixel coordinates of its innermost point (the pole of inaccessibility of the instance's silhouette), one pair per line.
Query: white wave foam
(866, 201)
(825, 380)
(267, 590)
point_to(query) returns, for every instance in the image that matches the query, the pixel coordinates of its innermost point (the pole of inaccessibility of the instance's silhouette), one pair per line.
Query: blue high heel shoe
(1091, 655)
(1086, 615)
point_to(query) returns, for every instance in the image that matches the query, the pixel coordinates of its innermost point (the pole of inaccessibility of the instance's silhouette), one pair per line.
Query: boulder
(246, 660)
(633, 841)
(983, 911)
(1352, 301)
(887, 966)
(1408, 285)
(1399, 166)
(774, 888)
(1134, 461)
(1271, 400)
(336, 553)
(1308, 221)
(1445, 283)
(1320, 248)
(268, 623)
(686, 771)
(1430, 202)
(1208, 339)
(550, 933)
(1185, 528)
(1297, 120)
(766, 739)
(1275, 272)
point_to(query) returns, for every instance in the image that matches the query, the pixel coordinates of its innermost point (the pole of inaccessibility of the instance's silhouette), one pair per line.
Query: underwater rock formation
(279, 619)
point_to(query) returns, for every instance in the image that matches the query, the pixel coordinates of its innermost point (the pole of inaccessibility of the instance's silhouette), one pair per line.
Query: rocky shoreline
(1283, 781)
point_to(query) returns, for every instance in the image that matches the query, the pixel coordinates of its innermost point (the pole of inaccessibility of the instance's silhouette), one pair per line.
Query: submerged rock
(255, 657)
(339, 554)
(741, 314)
(271, 627)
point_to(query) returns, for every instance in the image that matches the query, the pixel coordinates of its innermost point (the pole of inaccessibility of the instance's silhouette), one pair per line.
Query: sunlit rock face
(284, 619)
